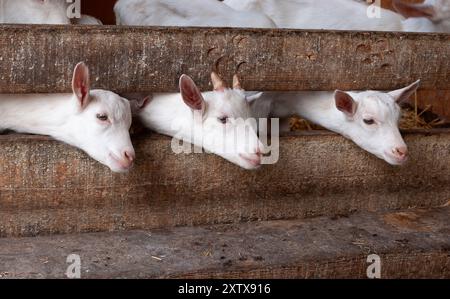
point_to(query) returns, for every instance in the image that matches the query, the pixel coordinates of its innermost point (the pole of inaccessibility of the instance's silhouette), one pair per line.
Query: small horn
(236, 83)
(217, 82)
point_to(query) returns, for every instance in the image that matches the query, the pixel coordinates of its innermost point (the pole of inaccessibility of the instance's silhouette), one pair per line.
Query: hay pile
(299, 124)
(412, 118)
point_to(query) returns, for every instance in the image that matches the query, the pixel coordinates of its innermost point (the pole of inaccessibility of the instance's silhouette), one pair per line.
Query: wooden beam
(410, 244)
(47, 187)
(435, 101)
(138, 59)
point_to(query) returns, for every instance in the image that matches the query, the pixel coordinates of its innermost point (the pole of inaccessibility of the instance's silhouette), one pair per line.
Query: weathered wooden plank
(132, 59)
(410, 244)
(47, 187)
(437, 101)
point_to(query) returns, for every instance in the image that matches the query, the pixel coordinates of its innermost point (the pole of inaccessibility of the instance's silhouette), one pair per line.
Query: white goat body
(433, 16)
(86, 20)
(34, 12)
(430, 16)
(40, 12)
(320, 14)
(204, 13)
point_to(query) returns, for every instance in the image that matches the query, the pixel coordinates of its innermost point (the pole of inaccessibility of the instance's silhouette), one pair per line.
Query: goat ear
(251, 98)
(81, 84)
(401, 95)
(411, 10)
(138, 105)
(345, 103)
(191, 94)
(217, 82)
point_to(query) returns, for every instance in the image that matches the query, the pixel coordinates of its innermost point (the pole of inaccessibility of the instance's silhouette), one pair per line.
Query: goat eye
(223, 120)
(102, 117)
(369, 121)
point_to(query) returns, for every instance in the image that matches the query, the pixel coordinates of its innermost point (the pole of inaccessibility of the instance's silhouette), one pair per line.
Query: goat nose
(129, 156)
(401, 151)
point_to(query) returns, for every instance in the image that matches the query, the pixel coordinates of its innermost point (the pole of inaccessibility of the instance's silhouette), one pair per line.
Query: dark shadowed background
(101, 9)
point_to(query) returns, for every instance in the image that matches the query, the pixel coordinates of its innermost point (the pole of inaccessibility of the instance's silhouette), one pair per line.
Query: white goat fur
(204, 13)
(430, 16)
(40, 12)
(86, 20)
(346, 15)
(34, 12)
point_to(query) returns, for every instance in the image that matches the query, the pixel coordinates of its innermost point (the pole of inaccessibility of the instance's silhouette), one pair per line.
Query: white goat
(216, 121)
(320, 14)
(40, 12)
(350, 15)
(369, 118)
(205, 13)
(34, 12)
(96, 121)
